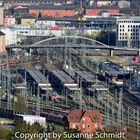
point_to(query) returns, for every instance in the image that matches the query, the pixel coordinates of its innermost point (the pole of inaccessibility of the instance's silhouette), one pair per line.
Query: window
(94, 118)
(88, 125)
(83, 126)
(95, 125)
(71, 117)
(73, 125)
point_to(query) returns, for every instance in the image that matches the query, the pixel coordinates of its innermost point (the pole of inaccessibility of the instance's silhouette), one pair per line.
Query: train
(8, 63)
(113, 73)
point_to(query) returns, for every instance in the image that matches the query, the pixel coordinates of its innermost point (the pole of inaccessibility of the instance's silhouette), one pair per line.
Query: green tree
(24, 127)
(5, 134)
(20, 105)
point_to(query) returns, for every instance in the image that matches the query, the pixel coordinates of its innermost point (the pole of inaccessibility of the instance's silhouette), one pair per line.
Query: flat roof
(37, 76)
(32, 116)
(87, 76)
(98, 88)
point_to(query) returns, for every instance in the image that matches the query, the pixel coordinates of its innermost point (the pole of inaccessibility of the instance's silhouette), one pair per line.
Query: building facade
(16, 33)
(1, 15)
(52, 10)
(9, 20)
(123, 4)
(97, 11)
(28, 21)
(48, 22)
(84, 121)
(128, 32)
(2, 43)
(10, 3)
(104, 2)
(10, 35)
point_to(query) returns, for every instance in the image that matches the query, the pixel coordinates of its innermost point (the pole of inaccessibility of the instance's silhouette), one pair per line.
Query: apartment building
(128, 32)
(9, 20)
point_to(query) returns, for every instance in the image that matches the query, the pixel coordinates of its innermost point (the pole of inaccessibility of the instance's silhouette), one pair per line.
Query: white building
(32, 119)
(45, 22)
(123, 4)
(17, 33)
(128, 32)
(11, 35)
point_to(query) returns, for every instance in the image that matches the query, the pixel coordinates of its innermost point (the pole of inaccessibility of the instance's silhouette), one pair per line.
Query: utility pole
(0, 83)
(138, 123)
(65, 52)
(81, 106)
(128, 111)
(47, 93)
(66, 92)
(47, 49)
(8, 84)
(120, 107)
(38, 102)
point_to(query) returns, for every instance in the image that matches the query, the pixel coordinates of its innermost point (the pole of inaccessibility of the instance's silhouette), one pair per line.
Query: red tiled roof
(76, 115)
(95, 115)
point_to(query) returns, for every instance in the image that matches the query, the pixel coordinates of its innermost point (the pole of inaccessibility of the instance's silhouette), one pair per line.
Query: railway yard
(52, 84)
